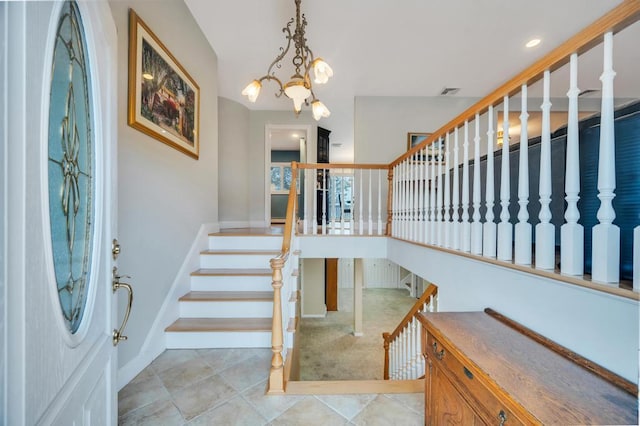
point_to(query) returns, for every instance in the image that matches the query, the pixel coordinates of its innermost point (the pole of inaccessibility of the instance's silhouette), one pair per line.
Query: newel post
(276, 375)
(385, 373)
(389, 202)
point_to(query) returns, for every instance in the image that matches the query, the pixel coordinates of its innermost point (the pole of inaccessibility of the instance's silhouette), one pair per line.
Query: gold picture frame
(164, 101)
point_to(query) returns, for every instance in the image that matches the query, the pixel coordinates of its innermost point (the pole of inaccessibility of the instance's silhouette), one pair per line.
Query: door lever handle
(118, 335)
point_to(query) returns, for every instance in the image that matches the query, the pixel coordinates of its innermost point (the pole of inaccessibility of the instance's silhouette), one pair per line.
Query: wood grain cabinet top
(533, 382)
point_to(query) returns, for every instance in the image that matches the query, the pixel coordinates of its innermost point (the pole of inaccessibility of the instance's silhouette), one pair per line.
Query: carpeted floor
(330, 351)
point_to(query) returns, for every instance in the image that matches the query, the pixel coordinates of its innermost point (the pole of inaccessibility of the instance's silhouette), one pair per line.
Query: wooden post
(276, 375)
(385, 373)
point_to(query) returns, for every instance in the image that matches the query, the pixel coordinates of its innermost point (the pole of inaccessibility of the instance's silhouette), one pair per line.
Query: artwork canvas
(164, 101)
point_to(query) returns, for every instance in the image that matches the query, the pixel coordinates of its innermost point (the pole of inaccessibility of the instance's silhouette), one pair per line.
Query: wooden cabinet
(480, 371)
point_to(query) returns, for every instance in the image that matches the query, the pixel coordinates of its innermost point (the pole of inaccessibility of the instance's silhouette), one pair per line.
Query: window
(281, 176)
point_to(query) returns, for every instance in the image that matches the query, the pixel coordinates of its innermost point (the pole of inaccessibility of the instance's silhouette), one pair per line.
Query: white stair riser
(218, 339)
(242, 243)
(226, 309)
(233, 261)
(230, 283)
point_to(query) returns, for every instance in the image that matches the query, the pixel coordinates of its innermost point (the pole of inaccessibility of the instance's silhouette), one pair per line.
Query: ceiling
(401, 48)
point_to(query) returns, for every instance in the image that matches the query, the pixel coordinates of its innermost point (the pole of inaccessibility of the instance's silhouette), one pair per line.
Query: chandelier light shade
(298, 88)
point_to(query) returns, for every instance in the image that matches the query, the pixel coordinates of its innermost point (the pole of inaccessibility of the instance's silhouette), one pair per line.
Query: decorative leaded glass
(71, 166)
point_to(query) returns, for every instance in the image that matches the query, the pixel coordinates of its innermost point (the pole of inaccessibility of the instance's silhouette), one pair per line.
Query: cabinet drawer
(487, 405)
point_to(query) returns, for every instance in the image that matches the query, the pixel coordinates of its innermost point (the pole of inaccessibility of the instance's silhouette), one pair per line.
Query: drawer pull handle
(502, 416)
(468, 373)
(438, 354)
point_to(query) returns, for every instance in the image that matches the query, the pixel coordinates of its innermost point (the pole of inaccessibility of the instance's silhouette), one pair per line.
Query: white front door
(59, 193)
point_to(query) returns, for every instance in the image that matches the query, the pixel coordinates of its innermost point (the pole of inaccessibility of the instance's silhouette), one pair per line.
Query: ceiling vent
(448, 91)
(588, 92)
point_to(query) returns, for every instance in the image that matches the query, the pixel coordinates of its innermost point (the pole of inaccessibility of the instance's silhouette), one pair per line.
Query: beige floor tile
(221, 359)
(383, 411)
(144, 389)
(347, 405)
(236, 412)
(159, 413)
(270, 406)
(185, 374)
(169, 359)
(246, 374)
(309, 412)
(414, 401)
(202, 396)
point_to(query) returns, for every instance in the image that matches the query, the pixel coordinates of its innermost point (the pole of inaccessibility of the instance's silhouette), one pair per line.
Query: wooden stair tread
(211, 296)
(240, 251)
(232, 272)
(220, 324)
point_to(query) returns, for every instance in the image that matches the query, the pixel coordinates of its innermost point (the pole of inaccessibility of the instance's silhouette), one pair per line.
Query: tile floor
(227, 386)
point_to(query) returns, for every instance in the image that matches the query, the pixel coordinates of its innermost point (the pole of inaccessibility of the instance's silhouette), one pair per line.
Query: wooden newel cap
(277, 263)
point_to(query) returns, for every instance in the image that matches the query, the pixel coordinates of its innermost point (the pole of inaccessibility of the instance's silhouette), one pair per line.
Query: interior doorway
(283, 144)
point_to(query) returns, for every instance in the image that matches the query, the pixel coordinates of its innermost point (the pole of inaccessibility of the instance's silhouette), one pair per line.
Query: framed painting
(414, 139)
(164, 101)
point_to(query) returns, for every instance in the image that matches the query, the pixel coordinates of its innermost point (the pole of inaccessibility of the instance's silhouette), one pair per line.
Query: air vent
(448, 91)
(588, 92)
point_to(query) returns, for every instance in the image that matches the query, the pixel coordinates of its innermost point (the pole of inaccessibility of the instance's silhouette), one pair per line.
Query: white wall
(234, 170)
(382, 123)
(164, 195)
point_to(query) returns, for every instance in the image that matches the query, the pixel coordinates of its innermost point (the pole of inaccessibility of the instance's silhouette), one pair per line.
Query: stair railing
(447, 214)
(284, 283)
(344, 199)
(403, 358)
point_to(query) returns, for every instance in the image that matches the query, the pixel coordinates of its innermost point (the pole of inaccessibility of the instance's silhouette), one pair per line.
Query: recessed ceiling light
(533, 42)
(295, 135)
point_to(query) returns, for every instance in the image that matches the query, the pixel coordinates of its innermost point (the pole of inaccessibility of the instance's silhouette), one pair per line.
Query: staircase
(230, 303)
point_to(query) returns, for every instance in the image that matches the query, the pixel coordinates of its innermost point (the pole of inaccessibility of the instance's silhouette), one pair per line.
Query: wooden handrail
(291, 204)
(432, 290)
(342, 166)
(616, 20)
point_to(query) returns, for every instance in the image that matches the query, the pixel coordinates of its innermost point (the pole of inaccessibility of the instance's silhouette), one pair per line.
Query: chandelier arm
(277, 80)
(283, 52)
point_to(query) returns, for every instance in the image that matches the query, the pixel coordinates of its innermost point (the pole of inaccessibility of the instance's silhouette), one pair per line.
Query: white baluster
(315, 204)
(636, 259)
(545, 231)
(353, 203)
(523, 227)
(307, 182)
(489, 226)
(342, 194)
(447, 198)
(476, 225)
(395, 228)
(392, 360)
(414, 349)
(425, 190)
(360, 197)
(455, 226)
(572, 233)
(418, 187)
(433, 222)
(370, 222)
(465, 231)
(393, 195)
(333, 205)
(505, 229)
(403, 198)
(412, 200)
(379, 203)
(440, 209)
(606, 235)
(323, 191)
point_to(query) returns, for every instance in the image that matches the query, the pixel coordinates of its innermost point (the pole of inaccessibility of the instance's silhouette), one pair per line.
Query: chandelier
(298, 88)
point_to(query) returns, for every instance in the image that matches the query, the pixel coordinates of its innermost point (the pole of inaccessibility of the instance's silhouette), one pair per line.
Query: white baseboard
(155, 343)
